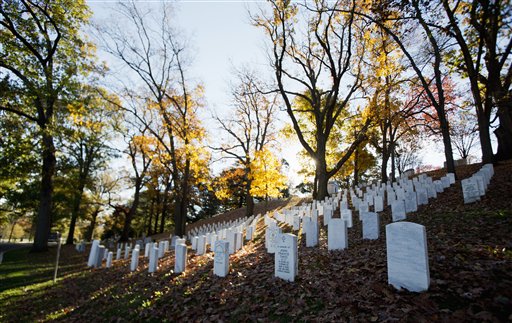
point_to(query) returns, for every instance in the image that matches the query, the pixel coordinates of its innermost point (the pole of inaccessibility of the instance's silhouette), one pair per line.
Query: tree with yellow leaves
(267, 179)
(249, 128)
(316, 62)
(167, 107)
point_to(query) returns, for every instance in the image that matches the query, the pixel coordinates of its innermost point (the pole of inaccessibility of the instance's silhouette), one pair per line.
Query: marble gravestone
(310, 227)
(93, 253)
(337, 235)
(135, 259)
(422, 196)
(180, 261)
(286, 257)
(271, 238)
(248, 233)
(398, 210)
(221, 258)
(201, 245)
(346, 215)
(239, 243)
(127, 250)
(231, 238)
(109, 259)
(296, 223)
(100, 251)
(378, 205)
(161, 249)
(411, 204)
(153, 259)
(407, 256)
(470, 190)
(327, 215)
(146, 248)
(370, 225)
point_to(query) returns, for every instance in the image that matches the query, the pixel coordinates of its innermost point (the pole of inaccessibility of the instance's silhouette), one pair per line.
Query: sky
(221, 37)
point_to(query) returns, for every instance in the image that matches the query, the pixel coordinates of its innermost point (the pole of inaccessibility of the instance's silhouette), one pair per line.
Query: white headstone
(422, 196)
(470, 190)
(99, 256)
(327, 215)
(370, 225)
(109, 259)
(407, 256)
(231, 238)
(296, 223)
(93, 253)
(201, 245)
(239, 241)
(135, 259)
(221, 258)
(180, 258)
(286, 257)
(127, 252)
(271, 238)
(310, 227)
(248, 232)
(378, 203)
(161, 249)
(337, 236)
(411, 204)
(153, 259)
(347, 216)
(398, 210)
(146, 249)
(194, 243)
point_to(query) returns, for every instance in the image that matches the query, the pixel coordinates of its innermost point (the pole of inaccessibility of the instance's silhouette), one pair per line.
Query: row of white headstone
(474, 188)
(406, 242)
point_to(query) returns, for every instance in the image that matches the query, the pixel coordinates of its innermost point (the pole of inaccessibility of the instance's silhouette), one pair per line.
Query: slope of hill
(470, 261)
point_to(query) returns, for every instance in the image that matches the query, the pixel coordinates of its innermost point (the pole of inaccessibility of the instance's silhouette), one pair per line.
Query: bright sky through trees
(220, 37)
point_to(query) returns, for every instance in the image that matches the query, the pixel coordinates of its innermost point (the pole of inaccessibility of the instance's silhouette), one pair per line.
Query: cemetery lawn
(470, 256)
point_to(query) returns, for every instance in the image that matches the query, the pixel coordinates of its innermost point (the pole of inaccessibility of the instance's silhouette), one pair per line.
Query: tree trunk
(448, 151)
(125, 235)
(249, 202)
(76, 210)
(90, 230)
(504, 132)
(485, 138)
(157, 211)
(163, 216)
(12, 230)
(356, 167)
(150, 218)
(393, 162)
(322, 178)
(46, 194)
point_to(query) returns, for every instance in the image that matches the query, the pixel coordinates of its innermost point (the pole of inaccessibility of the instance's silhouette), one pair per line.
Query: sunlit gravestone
(286, 257)
(221, 258)
(407, 256)
(180, 262)
(135, 259)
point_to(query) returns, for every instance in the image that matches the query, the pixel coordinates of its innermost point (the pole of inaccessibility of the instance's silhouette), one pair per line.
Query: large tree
(83, 139)
(42, 53)
(426, 59)
(315, 60)
(482, 32)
